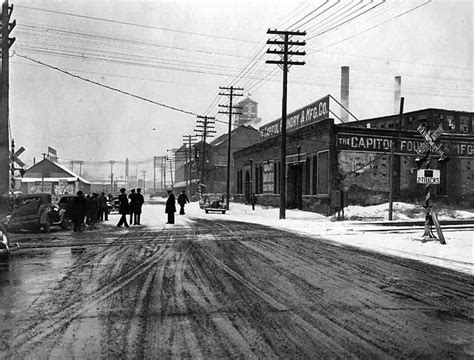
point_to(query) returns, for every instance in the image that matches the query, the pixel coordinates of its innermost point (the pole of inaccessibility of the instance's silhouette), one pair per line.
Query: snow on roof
(52, 179)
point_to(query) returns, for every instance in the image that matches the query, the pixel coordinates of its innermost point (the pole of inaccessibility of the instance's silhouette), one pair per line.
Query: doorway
(295, 187)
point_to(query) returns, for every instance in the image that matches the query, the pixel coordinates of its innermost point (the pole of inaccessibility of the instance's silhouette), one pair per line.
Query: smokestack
(397, 94)
(345, 93)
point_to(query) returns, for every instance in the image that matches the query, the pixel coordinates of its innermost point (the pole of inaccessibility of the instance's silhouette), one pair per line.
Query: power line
(133, 24)
(106, 86)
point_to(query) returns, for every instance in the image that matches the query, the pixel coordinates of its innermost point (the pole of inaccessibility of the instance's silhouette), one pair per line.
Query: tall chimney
(345, 93)
(397, 94)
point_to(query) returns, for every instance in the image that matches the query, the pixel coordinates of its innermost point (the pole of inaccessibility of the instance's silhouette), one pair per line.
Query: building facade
(324, 159)
(50, 177)
(214, 179)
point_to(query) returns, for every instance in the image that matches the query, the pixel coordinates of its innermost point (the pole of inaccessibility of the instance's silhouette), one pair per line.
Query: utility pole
(187, 167)
(285, 44)
(144, 182)
(163, 170)
(170, 158)
(393, 147)
(80, 167)
(155, 159)
(7, 42)
(205, 128)
(230, 112)
(112, 162)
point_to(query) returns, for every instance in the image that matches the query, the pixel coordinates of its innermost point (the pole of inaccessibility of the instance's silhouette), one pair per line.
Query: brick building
(188, 169)
(354, 157)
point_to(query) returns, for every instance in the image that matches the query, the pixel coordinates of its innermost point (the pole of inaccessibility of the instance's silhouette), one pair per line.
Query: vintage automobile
(36, 212)
(65, 202)
(213, 202)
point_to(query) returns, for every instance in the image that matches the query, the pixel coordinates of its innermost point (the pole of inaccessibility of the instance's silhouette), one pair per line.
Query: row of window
(464, 123)
(314, 171)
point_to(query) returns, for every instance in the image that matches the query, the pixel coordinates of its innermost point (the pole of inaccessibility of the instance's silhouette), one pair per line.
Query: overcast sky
(178, 53)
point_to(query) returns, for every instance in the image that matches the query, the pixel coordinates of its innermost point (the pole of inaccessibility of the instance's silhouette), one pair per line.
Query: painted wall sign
(311, 113)
(407, 146)
(268, 177)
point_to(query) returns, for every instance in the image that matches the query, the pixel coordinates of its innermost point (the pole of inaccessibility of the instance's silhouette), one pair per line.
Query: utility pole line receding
(284, 51)
(206, 128)
(188, 140)
(230, 111)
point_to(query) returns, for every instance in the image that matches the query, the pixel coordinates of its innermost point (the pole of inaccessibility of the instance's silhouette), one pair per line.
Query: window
(307, 180)
(323, 172)
(276, 178)
(314, 189)
(464, 123)
(451, 124)
(257, 179)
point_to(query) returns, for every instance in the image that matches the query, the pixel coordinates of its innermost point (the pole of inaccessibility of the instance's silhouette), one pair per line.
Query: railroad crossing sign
(431, 142)
(14, 156)
(430, 176)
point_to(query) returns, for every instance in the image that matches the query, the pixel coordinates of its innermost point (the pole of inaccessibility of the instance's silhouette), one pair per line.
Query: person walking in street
(124, 208)
(78, 211)
(253, 201)
(133, 200)
(170, 208)
(138, 210)
(182, 200)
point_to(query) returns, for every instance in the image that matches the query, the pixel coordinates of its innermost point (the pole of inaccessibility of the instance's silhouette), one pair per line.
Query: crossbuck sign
(430, 141)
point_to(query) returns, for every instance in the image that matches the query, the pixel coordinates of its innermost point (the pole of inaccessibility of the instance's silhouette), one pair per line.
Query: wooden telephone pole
(206, 128)
(230, 111)
(285, 44)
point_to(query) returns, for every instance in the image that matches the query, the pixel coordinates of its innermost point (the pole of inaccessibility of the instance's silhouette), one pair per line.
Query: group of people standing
(170, 207)
(93, 208)
(88, 209)
(132, 207)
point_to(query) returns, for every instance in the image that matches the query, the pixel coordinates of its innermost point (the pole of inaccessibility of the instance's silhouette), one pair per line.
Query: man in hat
(124, 208)
(170, 208)
(182, 200)
(132, 198)
(139, 202)
(78, 211)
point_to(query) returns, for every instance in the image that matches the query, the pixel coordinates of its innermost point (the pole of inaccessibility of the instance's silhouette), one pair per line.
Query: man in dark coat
(170, 208)
(253, 201)
(133, 199)
(78, 211)
(139, 200)
(182, 200)
(124, 208)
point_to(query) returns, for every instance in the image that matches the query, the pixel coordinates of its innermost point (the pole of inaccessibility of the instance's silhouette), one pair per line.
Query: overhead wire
(134, 24)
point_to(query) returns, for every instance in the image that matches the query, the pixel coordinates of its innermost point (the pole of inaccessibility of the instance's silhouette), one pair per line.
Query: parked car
(213, 202)
(36, 212)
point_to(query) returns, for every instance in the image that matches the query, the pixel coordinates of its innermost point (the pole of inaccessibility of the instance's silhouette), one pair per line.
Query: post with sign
(430, 176)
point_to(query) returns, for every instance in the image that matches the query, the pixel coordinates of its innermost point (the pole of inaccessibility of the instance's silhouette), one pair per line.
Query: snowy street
(218, 286)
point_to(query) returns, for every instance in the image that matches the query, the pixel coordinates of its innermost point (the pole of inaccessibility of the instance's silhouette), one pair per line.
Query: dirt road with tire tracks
(219, 289)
